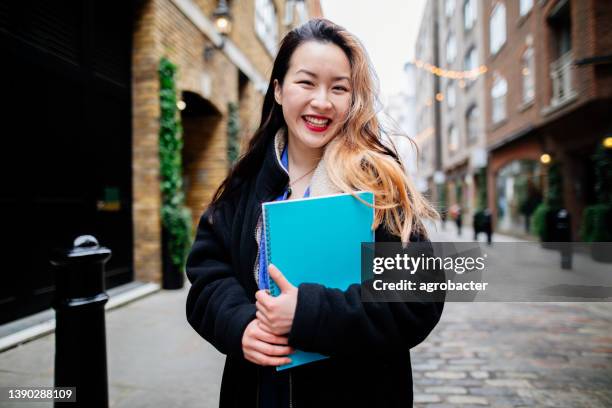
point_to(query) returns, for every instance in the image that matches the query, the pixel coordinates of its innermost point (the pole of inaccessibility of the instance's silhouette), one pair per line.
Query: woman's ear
(277, 93)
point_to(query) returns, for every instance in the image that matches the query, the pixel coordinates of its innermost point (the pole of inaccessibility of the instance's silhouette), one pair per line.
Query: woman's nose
(321, 101)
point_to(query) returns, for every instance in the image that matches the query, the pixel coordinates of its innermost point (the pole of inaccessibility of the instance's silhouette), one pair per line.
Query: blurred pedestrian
(318, 135)
(457, 215)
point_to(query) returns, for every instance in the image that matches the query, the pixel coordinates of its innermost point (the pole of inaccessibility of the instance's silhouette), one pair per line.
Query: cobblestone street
(516, 354)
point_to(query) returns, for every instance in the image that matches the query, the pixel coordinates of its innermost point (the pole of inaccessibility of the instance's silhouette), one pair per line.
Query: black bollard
(80, 332)
(563, 235)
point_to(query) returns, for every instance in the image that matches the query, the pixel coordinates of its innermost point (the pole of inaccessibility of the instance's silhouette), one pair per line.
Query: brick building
(84, 92)
(548, 90)
(545, 89)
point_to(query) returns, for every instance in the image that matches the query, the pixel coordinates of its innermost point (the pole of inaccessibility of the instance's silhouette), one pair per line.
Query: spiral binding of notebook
(274, 289)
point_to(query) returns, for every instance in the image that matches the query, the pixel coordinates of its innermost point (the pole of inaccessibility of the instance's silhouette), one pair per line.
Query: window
(498, 98)
(497, 28)
(471, 123)
(453, 139)
(469, 14)
(266, 24)
(528, 73)
(470, 61)
(525, 6)
(449, 7)
(451, 97)
(451, 48)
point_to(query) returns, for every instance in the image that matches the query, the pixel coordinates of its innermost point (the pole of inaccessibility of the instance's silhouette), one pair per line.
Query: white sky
(387, 28)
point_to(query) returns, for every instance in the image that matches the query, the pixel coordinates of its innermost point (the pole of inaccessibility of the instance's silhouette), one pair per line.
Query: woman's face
(316, 93)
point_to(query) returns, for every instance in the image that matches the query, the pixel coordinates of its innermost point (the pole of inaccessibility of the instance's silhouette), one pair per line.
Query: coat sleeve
(336, 322)
(218, 307)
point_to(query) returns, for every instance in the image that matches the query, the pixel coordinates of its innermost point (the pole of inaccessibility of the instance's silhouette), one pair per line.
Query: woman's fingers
(263, 320)
(264, 335)
(271, 350)
(262, 307)
(264, 348)
(264, 360)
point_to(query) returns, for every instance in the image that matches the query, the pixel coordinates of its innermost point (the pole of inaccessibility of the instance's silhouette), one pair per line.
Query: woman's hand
(264, 348)
(276, 313)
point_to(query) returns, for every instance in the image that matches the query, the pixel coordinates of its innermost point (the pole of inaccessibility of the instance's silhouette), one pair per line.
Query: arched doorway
(202, 163)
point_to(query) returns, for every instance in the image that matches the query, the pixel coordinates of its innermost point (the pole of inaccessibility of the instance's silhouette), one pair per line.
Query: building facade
(539, 98)
(548, 91)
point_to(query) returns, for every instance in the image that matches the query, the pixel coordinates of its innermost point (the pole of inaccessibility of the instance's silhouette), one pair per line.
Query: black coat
(221, 303)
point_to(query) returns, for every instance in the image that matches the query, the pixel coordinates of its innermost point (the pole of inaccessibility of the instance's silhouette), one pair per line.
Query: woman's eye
(341, 88)
(305, 82)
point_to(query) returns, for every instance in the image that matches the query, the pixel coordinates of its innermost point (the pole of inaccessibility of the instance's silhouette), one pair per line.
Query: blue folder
(317, 240)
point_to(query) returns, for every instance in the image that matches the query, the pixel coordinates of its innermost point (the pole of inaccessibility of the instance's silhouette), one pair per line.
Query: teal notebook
(317, 240)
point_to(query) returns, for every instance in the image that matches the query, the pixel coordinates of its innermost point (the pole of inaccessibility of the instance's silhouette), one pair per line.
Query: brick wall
(507, 63)
(145, 108)
(591, 35)
(162, 30)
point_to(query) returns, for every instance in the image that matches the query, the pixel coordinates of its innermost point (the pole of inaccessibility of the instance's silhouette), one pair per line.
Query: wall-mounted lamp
(545, 158)
(222, 19)
(607, 142)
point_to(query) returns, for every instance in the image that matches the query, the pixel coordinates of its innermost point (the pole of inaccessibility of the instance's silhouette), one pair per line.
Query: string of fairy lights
(449, 73)
(461, 76)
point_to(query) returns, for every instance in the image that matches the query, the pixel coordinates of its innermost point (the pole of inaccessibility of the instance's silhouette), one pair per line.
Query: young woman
(318, 135)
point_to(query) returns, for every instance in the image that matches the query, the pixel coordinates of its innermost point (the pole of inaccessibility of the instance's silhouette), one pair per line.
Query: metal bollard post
(564, 237)
(80, 333)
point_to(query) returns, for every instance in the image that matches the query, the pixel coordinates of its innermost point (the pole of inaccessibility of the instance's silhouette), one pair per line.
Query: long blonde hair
(362, 161)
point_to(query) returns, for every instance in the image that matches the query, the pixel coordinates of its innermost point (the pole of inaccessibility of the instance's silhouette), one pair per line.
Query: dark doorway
(66, 141)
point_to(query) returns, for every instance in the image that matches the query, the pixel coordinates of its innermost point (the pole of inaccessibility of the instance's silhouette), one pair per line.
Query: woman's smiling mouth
(316, 123)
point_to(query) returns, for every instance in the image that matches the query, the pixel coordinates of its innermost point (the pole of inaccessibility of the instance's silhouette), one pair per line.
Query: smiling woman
(315, 99)
(318, 135)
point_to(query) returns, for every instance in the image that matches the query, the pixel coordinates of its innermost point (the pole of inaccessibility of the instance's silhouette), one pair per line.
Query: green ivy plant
(597, 218)
(552, 202)
(233, 132)
(176, 218)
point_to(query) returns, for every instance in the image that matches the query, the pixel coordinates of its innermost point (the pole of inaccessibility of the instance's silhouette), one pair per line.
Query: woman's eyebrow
(338, 78)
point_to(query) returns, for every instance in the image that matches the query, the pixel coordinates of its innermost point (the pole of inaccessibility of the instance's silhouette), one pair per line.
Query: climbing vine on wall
(176, 218)
(233, 133)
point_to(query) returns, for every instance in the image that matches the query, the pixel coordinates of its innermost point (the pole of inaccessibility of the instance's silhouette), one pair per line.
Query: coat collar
(320, 183)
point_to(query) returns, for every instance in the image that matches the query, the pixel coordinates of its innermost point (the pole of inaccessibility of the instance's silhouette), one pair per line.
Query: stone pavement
(515, 354)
